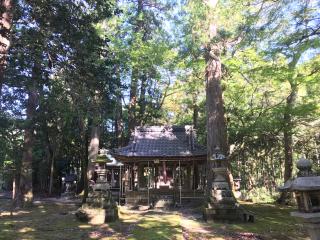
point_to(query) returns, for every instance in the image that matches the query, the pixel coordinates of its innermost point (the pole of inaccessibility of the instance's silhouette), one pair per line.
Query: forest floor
(53, 219)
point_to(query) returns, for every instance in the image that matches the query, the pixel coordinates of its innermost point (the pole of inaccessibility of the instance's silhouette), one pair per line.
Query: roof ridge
(167, 140)
(157, 128)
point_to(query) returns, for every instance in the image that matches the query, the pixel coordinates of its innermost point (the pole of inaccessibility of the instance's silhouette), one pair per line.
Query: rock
(82, 215)
(99, 208)
(97, 215)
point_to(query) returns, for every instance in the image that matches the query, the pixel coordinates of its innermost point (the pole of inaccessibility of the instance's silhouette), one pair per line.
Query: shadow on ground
(53, 220)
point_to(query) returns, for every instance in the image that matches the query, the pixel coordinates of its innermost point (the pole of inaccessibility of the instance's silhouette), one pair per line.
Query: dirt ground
(55, 219)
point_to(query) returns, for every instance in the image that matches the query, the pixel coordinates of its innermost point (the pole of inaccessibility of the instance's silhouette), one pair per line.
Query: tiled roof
(162, 141)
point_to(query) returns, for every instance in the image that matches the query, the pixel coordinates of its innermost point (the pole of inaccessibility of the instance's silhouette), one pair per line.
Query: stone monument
(100, 206)
(221, 204)
(306, 188)
(69, 183)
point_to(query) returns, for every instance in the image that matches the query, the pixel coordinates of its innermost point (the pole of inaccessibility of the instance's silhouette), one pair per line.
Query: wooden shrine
(162, 164)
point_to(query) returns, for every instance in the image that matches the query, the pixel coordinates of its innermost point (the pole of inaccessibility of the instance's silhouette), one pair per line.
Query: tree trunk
(118, 125)
(195, 115)
(132, 121)
(288, 141)
(119, 121)
(5, 36)
(51, 173)
(83, 156)
(142, 100)
(216, 124)
(25, 193)
(288, 126)
(93, 150)
(133, 102)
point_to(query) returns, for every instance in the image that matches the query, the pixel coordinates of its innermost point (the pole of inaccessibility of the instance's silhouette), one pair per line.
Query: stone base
(97, 215)
(313, 230)
(311, 222)
(227, 214)
(98, 209)
(68, 195)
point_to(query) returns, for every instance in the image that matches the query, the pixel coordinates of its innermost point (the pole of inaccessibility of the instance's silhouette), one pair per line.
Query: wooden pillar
(132, 177)
(112, 178)
(120, 185)
(188, 180)
(156, 175)
(196, 175)
(180, 183)
(148, 184)
(164, 172)
(141, 182)
(174, 166)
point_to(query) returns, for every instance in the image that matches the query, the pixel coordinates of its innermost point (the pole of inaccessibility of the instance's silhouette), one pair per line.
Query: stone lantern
(222, 204)
(101, 171)
(306, 188)
(100, 206)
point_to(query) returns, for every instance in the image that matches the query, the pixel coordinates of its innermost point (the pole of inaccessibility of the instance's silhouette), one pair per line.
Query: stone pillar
(221, 204)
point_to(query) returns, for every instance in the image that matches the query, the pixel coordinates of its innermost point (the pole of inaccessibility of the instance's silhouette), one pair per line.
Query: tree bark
(119, 121)
(287, 136)
(133, 101)
(84, 158)
(5, 36)
(132, 121)
(216, 123)
(195, 115)
(142, 100)
(93, 148)
(51, 172)
(25, 193)
(288, 126)
(288, 141)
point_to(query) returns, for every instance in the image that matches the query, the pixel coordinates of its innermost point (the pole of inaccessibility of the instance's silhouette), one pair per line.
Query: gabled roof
(161, 142)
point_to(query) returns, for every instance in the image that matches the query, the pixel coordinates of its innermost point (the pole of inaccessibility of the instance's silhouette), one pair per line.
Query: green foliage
(260, 195)
(91, 54)
(277, 54)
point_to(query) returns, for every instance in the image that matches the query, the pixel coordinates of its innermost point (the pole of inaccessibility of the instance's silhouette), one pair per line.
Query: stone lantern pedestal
(306, 188)
(312, 223)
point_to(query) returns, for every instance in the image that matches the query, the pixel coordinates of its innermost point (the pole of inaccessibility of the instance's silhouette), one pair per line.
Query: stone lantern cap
(104, 157)
(306, 181)
(302, 184)
(304, 163)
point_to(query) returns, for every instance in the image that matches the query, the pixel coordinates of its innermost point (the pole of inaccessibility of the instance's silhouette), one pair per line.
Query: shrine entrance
(145, 181)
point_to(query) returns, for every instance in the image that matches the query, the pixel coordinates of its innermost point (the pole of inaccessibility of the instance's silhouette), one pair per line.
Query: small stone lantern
(306, 188)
